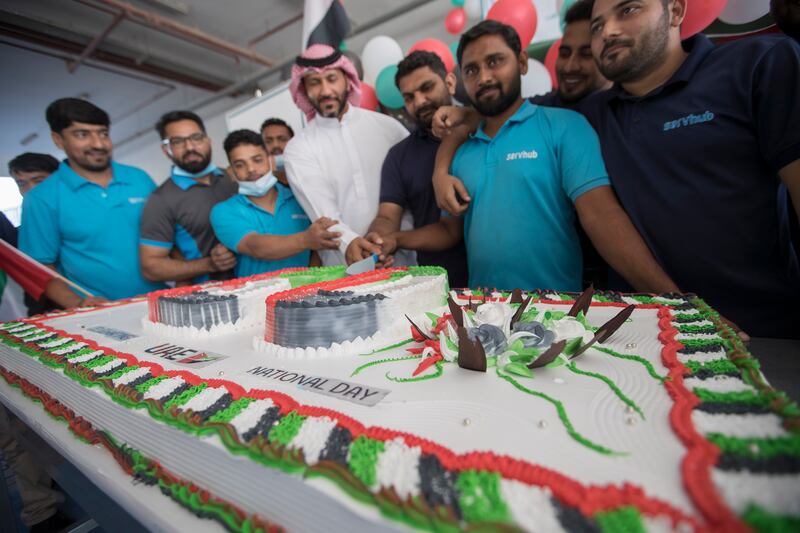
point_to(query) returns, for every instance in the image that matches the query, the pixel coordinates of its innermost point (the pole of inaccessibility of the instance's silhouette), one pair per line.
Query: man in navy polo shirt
(84, 219)
(177, 214)
(697, 140)
(264, 223)
(528, 169)
(408, 167)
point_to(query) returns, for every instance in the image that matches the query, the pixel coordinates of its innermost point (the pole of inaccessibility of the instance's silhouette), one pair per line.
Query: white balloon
(379, 52)
(744, 11)
(537, 80)
(473, 9)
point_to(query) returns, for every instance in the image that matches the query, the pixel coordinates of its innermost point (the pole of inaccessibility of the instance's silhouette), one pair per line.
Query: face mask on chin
(259, 187)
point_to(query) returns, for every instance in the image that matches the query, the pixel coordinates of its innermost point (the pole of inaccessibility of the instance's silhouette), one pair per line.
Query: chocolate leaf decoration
(520, 311)
(455, 310)
(586, 346)
(470, 353)
(419, 330)
(610, 327)
(516, 296)
(549, 356)
(582, 302)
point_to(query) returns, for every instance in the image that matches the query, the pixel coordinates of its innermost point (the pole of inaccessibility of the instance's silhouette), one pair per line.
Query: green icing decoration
(439, 371)
(185, 396)
(518, 369)
(529, 315)
(748, 397)
(602, 298)
(630, 357)
(691, 328)
(82, 351)
(765, 522)
(387, 348)
(573, 345)
(144, 387)
(562, 415)
(582, 319)
(98, 361)
(364, 459)
(286, 429)
(757, 447)
(622, 520)
(119, 373)
(702, 343)
(688, 317)
(227, 414)
(613, 386)
(434, 318)
(381, 361)
(718, 366)
(479, 497)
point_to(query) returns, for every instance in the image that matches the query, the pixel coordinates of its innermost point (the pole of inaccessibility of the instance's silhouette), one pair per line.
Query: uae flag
(324, 22)
(31, 275)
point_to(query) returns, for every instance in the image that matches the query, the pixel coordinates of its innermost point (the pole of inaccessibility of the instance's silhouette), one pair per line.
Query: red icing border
(696, 465)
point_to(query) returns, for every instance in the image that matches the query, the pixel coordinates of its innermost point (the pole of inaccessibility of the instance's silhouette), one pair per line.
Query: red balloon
(437, 47)
(455, 20)
(550, 62)
(369, 100)
(519, 14)
(699, 15)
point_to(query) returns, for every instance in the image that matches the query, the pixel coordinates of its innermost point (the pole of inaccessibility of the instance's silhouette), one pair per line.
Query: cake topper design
(582, 302)
(471, 354)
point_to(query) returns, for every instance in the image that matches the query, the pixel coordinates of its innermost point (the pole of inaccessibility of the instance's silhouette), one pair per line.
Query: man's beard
(642, 59)
(426, 122)
(193, 167)
(341, 100)
(86, 163)
(504, 100)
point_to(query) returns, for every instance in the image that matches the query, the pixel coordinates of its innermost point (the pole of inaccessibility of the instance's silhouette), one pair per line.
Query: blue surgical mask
(260, 187)
(178, 171)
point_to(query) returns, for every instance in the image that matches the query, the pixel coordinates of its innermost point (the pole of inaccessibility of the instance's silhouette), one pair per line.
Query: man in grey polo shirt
(176, 216)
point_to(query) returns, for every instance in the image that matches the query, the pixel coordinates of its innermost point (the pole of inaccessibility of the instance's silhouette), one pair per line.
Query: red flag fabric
(31, 275)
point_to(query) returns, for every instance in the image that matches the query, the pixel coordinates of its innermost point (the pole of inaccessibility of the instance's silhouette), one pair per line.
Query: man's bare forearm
(434, 237)
(168, 269)
(382, 226)
(272, 247)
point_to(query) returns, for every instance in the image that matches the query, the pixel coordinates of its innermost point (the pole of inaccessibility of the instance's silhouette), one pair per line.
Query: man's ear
(677, 9)
(167, 151)
(58, 140)
(523, 62)
(450, 82)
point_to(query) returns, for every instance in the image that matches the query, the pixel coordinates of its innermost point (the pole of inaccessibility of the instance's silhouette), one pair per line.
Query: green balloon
(343, 46)
(458, 3)
(387, 92)
(454, 49)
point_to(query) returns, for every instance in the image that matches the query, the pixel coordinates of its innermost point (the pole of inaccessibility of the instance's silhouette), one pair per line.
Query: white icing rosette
(495, 313)
(568, 328)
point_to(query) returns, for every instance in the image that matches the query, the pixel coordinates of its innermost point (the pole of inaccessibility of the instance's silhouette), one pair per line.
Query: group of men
(679, 160)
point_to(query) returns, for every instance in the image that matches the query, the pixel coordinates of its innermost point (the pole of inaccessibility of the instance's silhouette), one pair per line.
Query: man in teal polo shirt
(264, 223)
(84, 219)
(528, 169)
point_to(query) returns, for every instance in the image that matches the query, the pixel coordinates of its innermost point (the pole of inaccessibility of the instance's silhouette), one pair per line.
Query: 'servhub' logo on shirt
(533, 154)
(688, 120)
(137, 199)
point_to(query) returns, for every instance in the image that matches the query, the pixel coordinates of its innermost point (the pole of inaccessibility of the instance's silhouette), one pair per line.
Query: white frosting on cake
(718, 384)
(163, 388)
(69, 349)
(531, 506)
(743, 426)
(111, 365)
(702, 357)
(204, 399)
(312, 436)
(130, 377)
(86, 357)
(250, 415)
(55, 343)
(775, 493)
(398, 467)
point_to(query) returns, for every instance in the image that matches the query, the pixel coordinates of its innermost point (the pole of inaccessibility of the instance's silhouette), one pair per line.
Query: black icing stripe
(337, 446)
(437, 484)
(707, 373)
(43, 340)
(223, 402)
(179, 389)
(107, 372)
(682, 307)
(709, 348)
(264, 424)
(697, 317)
(776, 464)
(138, 381)
(732, 408)
(573, 520)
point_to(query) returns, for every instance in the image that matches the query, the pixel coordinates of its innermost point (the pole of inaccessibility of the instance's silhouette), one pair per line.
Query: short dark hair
(489, 27)
(31, 162)
(419, 59)
(175, 116)
(273, 121)
(240, 137)
(64, 111)
(580, 10)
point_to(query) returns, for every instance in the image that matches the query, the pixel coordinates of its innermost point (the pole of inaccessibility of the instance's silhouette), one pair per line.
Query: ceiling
(136, 70)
